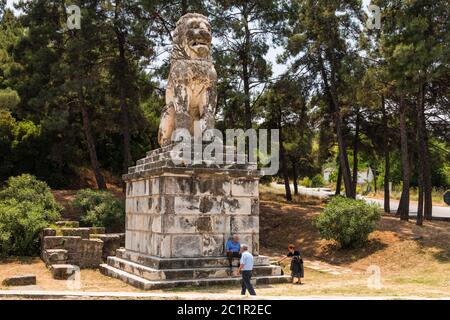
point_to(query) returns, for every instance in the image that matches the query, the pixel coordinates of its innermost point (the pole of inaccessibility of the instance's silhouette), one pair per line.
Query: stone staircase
(149, 272)
(68, 248)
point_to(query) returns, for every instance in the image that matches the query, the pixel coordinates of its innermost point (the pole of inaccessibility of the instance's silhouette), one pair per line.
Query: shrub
(306, 182)
(26, 206)
(347, 221)
(317, 181)
(100, 209)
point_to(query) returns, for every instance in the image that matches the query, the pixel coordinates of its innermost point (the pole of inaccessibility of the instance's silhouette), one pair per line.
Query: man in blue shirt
(233, 248)
(245, 269)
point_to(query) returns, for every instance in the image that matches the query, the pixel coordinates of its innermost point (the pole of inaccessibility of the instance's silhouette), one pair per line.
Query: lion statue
(191, 95)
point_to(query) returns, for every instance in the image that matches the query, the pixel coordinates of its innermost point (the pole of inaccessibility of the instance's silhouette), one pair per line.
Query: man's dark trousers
(246, 283)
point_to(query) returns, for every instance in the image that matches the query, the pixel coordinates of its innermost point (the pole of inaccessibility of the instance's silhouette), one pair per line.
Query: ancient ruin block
(71, 244)
(54, 256)
(111, 242)
(76, 232)
(48, 232)
(90, 253)
(63, 271)
(187, 245)
(244, 188)
(20, 280)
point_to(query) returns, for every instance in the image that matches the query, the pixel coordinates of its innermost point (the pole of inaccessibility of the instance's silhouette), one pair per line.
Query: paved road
(438, 211)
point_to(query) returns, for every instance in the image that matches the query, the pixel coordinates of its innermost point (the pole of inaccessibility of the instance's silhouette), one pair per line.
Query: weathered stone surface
(244, 188)
(111, 242)
(244, 224)
(187, 245)
(54, 256)
(90, 253)
(20, 280)
(63, 271)
(62, 242)
(76, 232)
(213, 245)
(48, 232)
(191, 89)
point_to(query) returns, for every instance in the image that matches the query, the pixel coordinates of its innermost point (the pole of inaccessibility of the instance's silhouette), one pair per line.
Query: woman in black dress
(297, 271)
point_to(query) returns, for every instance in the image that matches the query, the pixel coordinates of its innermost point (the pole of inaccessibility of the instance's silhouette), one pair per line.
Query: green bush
(347, 221)
(26, 206)
(317, 181)
(306, 182)
(100, 209)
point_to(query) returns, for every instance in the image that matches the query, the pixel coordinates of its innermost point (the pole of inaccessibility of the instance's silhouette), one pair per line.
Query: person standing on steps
(246, 268)
(297, 270)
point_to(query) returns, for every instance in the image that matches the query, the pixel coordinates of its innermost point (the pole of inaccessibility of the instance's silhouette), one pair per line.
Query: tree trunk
(403, 208)
(284, 170)
(90, 138)
(339, 181)
(355, 152)
(337, 119)
(124, 110)
(423, 143)
(387, 164)
(245, 51)
(294, 175)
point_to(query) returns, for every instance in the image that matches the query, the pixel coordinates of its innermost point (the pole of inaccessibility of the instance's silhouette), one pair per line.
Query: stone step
(54, 256)
(186, 273)
(145, 284)
(182, 263)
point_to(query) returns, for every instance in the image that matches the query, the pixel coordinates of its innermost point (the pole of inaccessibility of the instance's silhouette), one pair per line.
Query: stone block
(244, 188)
(237, 205)
(111, 242)
(185, 205)
(63, 271)
(97, 230)
(69, 243)
(90, 253)
(244, 224)
(76, 232)
(211, 186)
(55, 256)
(48, 232)
(20, 280)
(213, 245)
(160, 245)
(187, 245)
(180, 185)
(154, 186)
(211, 205)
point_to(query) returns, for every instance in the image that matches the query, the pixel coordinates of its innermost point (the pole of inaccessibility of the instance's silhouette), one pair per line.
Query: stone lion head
(192, 38)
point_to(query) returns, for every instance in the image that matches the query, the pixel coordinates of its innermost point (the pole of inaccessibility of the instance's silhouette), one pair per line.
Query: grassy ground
(413, 261)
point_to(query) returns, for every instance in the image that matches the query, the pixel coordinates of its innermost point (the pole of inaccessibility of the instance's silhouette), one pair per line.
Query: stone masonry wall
(172, 215)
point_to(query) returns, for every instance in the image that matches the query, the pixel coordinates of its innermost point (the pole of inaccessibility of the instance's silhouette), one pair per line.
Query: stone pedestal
(179, 217)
